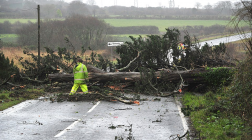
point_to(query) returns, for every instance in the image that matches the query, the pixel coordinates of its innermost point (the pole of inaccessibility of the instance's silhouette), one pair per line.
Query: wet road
(225, 39)
(102, 120)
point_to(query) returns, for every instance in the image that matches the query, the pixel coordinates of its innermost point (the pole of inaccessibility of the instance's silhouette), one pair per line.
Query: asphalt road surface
(100, 120)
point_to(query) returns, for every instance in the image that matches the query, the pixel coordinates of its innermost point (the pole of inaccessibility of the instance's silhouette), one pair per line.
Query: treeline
(77, 30)
(134, 30)
(203, 30)
(60, 9)
(8, 28)
(167, 13)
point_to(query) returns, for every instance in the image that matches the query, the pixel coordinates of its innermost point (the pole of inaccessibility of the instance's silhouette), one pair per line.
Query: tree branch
(138, 55)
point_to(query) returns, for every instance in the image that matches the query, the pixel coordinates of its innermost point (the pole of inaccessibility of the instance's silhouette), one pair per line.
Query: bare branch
(138, 55)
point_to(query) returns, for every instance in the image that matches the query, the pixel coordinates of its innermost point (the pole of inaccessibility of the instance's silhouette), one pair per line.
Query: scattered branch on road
(174, 137)
(94, 96)
(29, 79)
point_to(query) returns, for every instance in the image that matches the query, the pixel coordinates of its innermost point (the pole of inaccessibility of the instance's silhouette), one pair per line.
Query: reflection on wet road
(34, 119)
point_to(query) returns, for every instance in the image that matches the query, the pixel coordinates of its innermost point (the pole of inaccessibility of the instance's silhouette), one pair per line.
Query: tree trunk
(95, 75)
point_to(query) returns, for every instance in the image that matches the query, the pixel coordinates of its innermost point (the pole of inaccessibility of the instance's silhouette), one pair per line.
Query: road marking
(184, 123)
(65, 130)
(90, 110)
(74, 123)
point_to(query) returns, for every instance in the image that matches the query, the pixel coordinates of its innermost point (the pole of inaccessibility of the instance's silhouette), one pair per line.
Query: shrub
(7, 67)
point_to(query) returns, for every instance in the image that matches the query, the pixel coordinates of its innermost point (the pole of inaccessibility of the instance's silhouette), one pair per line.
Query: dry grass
(236, 50)
(14, 53)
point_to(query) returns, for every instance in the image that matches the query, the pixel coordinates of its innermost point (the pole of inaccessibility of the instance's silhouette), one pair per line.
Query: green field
(9, 37)
(162, 24)
(20, 20)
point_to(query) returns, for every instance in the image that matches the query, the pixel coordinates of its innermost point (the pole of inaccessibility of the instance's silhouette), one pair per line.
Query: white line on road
(73, 124)
(90, 110)
(184, 123)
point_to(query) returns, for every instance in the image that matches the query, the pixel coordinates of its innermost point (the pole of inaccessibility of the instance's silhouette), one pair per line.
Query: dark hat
(79, 60)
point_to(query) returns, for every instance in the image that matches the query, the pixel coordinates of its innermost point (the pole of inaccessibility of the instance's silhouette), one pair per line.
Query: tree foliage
(238, 98)
(60, 61)
(77, 7)
(7, 67)
(157, 52)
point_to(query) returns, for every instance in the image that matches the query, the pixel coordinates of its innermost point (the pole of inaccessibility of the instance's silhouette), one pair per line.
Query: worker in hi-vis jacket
(80, 77)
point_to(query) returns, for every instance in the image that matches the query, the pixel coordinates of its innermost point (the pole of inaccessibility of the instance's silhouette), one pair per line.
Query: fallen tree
(190, 76)
(186, 77)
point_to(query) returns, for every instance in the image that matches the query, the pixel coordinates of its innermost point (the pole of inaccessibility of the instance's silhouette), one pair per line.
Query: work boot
(71, 93)
(84, 92)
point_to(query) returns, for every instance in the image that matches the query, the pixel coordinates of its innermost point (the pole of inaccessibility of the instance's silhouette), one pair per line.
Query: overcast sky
(154, 3)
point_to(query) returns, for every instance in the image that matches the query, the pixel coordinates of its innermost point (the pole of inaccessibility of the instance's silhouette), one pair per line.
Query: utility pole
(38, 38)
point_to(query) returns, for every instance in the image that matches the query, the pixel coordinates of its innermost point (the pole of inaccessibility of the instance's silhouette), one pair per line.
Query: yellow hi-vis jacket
(80, 74)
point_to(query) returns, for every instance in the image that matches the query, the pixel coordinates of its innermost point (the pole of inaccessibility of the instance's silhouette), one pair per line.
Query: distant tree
(198, 5)
(194, 10)
(48, 11)
(224, 7)
(91, 2)
(81, 31)
(78, 7)
(59, 14)
(208, 6)
(237, 5)
(29, 4)
(86, 31)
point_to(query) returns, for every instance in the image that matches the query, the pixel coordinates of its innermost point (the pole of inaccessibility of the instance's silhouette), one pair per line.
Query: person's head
(79, 60)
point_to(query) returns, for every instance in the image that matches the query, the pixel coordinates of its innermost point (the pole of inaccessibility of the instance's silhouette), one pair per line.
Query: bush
(239, 97)
(218, 77)
(7, 67)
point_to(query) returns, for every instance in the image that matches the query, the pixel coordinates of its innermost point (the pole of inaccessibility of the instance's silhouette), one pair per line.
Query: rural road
(228, 39)
(87, 120)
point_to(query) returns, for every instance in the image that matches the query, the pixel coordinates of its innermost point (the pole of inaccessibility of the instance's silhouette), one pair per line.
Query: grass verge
(11, 98)
(210, 120)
